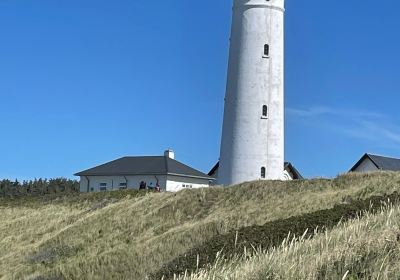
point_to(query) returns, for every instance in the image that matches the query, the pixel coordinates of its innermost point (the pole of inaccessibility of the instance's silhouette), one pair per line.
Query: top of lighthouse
(277, 4)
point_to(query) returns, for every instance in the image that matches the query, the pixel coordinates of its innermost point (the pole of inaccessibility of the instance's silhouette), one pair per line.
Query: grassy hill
(130, 235)
(364, 248)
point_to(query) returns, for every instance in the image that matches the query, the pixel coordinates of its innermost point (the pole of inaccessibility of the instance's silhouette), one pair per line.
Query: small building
(372, 163)
(290, 172)
(143, 172)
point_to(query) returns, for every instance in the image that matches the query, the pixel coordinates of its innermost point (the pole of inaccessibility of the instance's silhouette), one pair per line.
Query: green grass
(364, 248)
(128, 235)
(271, 234)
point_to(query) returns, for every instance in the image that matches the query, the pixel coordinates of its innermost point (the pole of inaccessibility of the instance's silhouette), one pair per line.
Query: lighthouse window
(265, 111)
(263, 171)
(266, 50)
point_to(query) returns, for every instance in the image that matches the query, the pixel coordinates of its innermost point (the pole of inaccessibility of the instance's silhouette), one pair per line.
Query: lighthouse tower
(252, 145)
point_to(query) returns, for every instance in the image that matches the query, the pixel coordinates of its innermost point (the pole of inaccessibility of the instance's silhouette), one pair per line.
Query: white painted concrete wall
(171, 184)
(288, 176)
(175, 183)
(114, 181)
(366, 166)
(249, 141)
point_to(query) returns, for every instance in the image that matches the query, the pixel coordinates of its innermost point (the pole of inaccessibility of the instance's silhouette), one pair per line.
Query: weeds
(271, 234)
(364, 248)
(130, 234)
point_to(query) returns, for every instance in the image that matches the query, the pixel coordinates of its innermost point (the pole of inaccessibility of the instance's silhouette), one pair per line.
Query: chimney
(169, 154)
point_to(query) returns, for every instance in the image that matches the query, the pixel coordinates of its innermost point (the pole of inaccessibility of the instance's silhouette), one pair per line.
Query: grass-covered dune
(271, 235)
(130, 235)
(362, 248)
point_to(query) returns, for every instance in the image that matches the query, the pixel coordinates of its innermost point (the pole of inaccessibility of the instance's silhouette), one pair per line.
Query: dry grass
(367, 248)
(133, 236)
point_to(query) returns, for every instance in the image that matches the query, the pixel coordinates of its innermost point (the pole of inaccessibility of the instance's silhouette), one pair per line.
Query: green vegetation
(37, 187)
(364, 248)
(130, 234)
(272, 234)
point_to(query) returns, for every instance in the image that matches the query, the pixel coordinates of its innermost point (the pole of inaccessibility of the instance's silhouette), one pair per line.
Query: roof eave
(192, 176)
(216, 166)
(119, 174)
(145, 174)
(365, 156)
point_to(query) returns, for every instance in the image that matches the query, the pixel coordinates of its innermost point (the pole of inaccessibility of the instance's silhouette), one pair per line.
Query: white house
(372, 163)
(150, 171)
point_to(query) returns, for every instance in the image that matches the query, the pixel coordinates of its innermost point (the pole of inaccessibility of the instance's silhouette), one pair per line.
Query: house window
(103, 187)
(186, 186)
(263, 171)
(122, 184)
(266, 50)
(265, 111)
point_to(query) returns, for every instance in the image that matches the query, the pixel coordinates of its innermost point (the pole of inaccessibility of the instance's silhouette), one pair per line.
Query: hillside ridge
(132, 234)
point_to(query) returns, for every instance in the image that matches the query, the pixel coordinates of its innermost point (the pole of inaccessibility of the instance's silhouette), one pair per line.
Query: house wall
(366, 166)
(288, 176)
(114, 181)
(175, 183)
(171, 184)
(215, 176)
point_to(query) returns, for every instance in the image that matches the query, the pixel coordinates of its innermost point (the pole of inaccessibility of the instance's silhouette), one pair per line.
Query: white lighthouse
(252, 145)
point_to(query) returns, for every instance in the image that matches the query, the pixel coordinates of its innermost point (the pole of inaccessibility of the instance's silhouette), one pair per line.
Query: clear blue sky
(84, 82)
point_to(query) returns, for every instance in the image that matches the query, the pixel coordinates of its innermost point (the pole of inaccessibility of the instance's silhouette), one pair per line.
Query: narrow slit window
(263, 171)
(266, 50)
(265, 111)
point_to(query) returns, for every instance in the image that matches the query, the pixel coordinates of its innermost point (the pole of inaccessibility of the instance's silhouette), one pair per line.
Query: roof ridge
(140, 156)
(378, 155)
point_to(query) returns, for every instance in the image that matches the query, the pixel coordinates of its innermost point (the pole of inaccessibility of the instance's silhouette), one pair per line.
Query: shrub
(37, 187)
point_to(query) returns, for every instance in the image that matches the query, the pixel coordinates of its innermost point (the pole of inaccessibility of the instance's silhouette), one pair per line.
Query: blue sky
(84, 82)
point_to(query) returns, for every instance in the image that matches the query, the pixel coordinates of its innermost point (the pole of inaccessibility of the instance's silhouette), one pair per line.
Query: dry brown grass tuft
(367, 248)
(129, 237)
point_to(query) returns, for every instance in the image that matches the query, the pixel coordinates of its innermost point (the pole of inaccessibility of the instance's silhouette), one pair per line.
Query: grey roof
(381, 162)
(214, 169)
(149, 165)
(296, 174)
